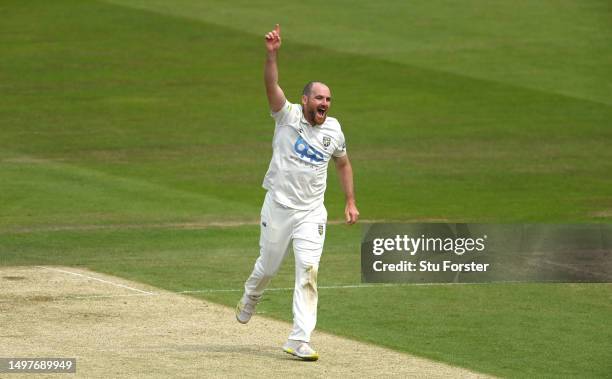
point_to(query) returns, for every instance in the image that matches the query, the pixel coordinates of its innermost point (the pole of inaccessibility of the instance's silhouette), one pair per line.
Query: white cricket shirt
(297, 175)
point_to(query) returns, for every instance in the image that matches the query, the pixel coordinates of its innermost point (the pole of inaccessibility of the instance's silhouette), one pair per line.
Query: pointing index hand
(273, 39)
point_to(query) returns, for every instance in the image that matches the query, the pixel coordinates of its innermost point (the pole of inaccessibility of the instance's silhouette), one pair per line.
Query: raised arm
(276, 96)
(345, 174)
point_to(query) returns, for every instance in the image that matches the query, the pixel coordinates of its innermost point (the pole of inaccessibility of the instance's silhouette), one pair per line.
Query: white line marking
(97, 279)
(371, 285)
(319, 287)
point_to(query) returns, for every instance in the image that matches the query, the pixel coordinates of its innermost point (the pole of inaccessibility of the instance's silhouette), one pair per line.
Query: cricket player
(305, 140)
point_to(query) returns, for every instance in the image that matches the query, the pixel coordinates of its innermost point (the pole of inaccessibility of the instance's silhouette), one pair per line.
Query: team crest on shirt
(321, 229)
(326, 141)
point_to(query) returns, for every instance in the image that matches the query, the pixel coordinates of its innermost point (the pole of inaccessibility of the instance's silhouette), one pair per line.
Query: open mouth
(321, 111)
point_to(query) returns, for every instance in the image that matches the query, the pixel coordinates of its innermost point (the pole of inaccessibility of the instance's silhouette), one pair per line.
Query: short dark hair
(308, 87)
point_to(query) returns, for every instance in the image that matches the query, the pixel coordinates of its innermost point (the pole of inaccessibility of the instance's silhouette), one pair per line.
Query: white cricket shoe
(246, 308)
(301, 350)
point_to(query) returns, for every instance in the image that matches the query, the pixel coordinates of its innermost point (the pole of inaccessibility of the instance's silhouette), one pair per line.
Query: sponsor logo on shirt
(305, 151)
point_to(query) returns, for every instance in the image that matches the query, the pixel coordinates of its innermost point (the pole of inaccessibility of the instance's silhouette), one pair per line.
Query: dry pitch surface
(121, 329)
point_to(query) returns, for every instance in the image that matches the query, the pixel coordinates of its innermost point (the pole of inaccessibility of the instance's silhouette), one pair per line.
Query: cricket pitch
(121, 329)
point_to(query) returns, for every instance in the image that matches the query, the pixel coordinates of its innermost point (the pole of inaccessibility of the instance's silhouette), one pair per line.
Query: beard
(316, 117)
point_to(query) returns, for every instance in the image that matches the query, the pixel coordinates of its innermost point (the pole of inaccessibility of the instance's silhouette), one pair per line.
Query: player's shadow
(251, 350)
(257, 350)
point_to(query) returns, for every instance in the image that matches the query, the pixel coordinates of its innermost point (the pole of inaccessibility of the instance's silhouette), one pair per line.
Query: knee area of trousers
(267, 271)
(309, 288)
(310, 279)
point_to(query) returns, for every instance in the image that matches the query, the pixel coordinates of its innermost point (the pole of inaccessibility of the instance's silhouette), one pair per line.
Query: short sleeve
(340, 150)
(285, 114)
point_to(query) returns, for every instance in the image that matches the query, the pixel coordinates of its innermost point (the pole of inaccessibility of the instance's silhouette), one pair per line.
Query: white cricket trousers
(280, 226)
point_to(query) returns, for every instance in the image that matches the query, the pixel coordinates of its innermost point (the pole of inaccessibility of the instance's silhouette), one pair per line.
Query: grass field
(124, 121)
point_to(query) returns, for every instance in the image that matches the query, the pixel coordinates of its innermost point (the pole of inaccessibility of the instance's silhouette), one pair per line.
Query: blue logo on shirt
(304, 150)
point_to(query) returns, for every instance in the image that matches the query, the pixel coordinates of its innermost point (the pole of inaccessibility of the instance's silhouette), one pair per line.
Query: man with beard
(305, 140)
